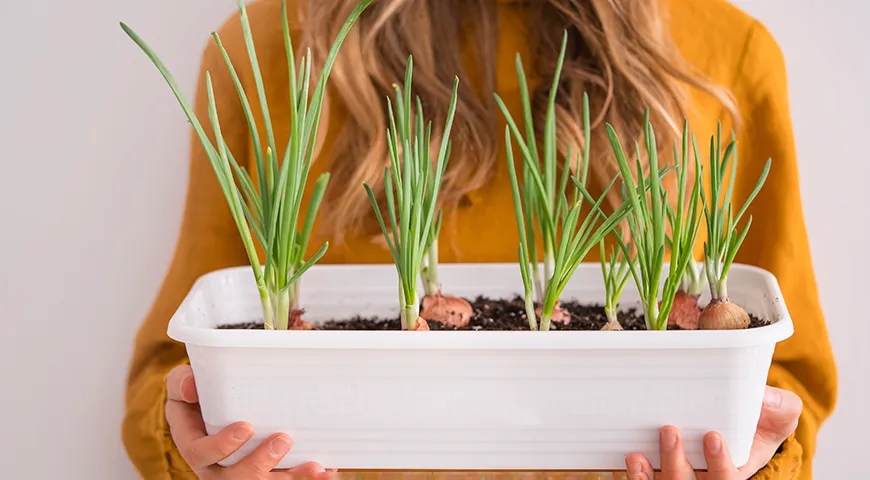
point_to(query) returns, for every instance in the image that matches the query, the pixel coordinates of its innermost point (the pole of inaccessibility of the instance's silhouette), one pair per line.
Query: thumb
(180, 385)
(779, 418)
(779, 415)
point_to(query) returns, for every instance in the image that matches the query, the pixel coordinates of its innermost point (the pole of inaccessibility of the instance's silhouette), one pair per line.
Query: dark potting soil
(498, 315)
(755, 322)
(501, 315)
(242, 326)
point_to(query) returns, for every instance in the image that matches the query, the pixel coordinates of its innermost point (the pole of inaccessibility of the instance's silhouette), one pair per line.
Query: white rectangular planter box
(472, 400)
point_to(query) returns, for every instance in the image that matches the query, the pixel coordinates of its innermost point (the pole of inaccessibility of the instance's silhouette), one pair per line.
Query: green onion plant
(541, 201)
(685, 311)
(411, 182)
(435, 306)
(270, 209)
(544, 197)
(615, 272)
(724, 237)
(647, 224)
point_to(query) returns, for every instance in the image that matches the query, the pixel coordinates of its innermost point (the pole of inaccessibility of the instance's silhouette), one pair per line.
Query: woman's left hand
(779, 418)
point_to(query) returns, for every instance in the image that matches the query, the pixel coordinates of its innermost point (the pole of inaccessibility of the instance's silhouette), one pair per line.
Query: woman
(703, 59)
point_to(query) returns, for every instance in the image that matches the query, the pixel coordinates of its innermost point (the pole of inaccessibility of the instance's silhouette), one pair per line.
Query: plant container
(472, 400)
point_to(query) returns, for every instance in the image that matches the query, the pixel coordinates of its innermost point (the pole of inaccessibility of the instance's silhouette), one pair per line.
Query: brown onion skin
(453, 311)
(723, 314)
(611, 327)
(295, 321)
(685, 312)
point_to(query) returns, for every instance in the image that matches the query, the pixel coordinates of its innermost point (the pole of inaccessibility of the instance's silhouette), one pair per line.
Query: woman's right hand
(202, 451)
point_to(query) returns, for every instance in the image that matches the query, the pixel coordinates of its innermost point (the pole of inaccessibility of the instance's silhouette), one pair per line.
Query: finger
(185, 422)
(264, 458)
(718, 457)
(180, 385)
(673, 455)
(211, 449)
(310, 470)
(328, 474)
(197, 448)
(779, 418)
(638, 467)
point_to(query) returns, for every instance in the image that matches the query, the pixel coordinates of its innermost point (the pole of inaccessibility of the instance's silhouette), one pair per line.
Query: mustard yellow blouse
(727, 45)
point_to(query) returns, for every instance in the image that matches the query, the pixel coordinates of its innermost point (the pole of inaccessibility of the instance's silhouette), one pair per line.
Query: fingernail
(241, 433)
(279, 447)
(184, 382)
(772, 398)
(635, 468)
(668, 438)
(713, 443)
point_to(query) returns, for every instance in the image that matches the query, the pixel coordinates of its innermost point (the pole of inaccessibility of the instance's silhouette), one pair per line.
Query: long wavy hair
(619, 51)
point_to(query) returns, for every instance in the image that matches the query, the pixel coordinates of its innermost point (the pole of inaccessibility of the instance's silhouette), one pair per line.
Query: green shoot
(615, 273)
(411, 183)
(723, 237)
(647, 225)
(694, 279)
(271, 211)
(542, 196)
(526, 237)
(530, 207)
(567, 239)
(429, 273)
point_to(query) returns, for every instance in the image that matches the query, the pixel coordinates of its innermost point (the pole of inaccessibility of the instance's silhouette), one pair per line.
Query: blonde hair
(619, 52)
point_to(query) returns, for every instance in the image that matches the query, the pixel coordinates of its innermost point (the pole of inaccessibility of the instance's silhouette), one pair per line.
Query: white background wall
(93, 154)
(829, 71)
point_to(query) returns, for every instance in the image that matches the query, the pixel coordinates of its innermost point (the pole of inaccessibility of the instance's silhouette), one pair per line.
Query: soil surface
(499, 315)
